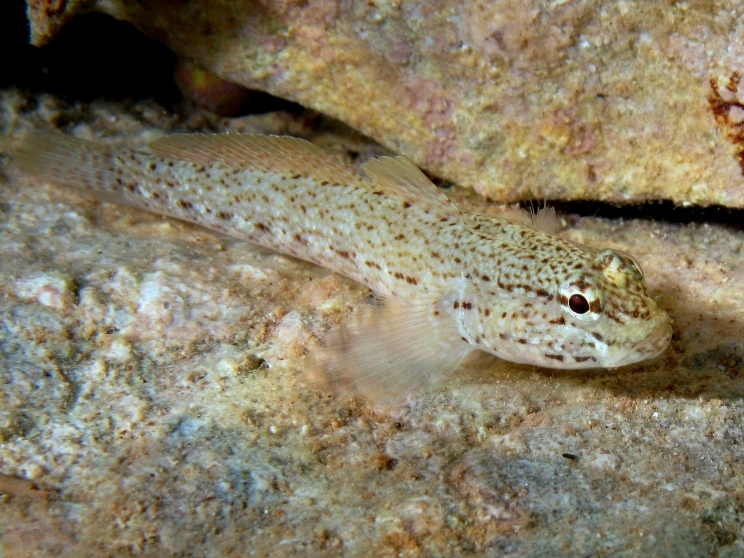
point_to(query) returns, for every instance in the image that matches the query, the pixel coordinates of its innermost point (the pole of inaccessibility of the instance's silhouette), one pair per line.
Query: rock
(152, 395)
(580, 99)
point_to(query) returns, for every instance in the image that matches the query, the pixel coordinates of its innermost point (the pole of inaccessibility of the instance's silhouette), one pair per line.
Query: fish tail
(59, 158)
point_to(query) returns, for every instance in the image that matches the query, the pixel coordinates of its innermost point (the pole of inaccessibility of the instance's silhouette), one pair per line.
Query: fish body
(451, 282)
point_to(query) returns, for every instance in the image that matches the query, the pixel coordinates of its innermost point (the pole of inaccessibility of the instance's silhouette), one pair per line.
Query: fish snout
(657, 341)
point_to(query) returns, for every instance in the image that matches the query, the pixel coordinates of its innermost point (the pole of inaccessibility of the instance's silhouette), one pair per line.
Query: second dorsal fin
(280, 154)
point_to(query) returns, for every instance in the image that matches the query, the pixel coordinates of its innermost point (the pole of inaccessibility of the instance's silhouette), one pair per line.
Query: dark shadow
(663, 210)
(94, 56)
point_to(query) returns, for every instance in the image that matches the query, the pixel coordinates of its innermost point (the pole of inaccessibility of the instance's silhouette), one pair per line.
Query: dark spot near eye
(558, 321)
(578, 304)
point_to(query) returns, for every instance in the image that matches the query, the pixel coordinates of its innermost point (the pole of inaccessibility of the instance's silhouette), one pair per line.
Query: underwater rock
(551, 100)
(153, 400)
(210, 92)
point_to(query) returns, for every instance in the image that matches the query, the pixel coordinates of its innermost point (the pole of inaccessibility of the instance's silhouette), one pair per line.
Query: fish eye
(578, 304)
(581, 298)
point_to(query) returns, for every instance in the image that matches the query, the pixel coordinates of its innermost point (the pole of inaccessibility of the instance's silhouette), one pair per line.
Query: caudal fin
(53, 156)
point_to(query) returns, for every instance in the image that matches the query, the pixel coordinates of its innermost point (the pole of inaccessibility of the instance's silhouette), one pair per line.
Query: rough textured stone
(152, 399)
(580, 99)
(47, 17)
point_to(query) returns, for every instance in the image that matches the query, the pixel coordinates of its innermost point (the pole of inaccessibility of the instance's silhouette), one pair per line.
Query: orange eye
(578, 304)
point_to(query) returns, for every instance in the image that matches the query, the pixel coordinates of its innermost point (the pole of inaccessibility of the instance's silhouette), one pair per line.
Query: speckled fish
(451, 282)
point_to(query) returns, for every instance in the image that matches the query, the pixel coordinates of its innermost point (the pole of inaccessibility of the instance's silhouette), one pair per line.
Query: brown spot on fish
(584, 358)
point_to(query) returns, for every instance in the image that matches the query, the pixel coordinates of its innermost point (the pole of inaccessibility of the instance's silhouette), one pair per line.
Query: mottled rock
(153, 401)
(580, 99)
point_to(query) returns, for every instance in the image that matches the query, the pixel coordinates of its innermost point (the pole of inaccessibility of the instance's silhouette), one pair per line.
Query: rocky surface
(578, 99)
(153, 400)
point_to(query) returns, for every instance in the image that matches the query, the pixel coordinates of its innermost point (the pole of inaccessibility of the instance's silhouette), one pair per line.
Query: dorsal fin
(279, 154)
(397, 176)
(545, 220)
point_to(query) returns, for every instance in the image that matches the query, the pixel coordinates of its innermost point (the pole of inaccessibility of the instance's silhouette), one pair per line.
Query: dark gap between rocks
(97, 57)
(663, 210)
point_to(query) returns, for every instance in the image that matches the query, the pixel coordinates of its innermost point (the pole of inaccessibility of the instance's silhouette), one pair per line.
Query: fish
(448, 283)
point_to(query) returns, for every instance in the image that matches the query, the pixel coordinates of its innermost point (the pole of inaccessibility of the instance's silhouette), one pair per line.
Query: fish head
(600, 316)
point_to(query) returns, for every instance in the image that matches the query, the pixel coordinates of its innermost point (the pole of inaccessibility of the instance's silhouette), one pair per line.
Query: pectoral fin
(388, 349)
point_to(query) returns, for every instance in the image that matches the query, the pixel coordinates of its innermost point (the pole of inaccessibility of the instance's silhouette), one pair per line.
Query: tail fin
(53, 156)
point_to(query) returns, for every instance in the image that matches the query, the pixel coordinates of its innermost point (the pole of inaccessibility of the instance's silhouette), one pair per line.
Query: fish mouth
(657, 341)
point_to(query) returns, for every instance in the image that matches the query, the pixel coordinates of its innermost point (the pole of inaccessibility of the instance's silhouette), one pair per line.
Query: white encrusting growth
(449, 282)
